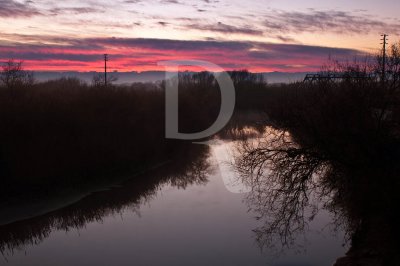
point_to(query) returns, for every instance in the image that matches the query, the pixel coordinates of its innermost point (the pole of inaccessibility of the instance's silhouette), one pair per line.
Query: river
(201, 221)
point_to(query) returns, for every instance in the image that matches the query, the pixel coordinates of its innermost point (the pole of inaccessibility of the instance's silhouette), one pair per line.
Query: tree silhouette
(13, 75)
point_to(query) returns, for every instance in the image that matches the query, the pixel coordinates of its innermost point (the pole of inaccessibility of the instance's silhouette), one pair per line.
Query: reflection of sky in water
(224, 157)
(202, 225)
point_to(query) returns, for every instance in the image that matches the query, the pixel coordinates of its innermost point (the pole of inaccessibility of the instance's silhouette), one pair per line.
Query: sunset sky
(261, 36)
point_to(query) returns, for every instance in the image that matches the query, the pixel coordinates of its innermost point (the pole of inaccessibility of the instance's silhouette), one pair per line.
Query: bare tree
(393, 66)
(98, 80)
(13, 75)
(282, 177)
(338, 142)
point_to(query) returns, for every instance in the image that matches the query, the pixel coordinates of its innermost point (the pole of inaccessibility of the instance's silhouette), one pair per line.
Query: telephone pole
(105, 69)
(384, 42)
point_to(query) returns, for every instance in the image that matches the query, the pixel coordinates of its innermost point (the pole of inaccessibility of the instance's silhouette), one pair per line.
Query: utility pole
(384, 42)
(105, 69)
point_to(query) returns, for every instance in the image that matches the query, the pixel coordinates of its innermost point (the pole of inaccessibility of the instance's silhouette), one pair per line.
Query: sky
(258, 35)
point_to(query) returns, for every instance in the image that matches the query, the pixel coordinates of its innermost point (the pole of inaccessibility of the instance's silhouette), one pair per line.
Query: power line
(384, 43)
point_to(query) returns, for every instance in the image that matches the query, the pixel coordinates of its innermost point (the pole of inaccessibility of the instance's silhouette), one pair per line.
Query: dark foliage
(337, 140)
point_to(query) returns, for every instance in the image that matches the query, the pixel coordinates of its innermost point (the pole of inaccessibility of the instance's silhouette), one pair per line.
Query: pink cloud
(139, 54)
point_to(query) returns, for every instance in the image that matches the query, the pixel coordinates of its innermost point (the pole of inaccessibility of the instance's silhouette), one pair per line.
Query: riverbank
(66, 134)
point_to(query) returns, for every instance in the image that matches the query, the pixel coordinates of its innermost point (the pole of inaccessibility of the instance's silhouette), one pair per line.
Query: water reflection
(202, 224)
(189, 168)
(284, 180)
(291, 181)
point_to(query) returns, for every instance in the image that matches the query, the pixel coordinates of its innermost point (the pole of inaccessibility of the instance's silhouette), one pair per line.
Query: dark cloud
(28, 55)
(170, 2)
(316, 21)
(137, 51)
(36, 42)
(255, 49)
(162, 23)
(11, 8)
(74, 10)
(103, 24)
(293, 51)
(168, 44)
(224, 28)
(285, 39)
(132, 1)
(211, 1)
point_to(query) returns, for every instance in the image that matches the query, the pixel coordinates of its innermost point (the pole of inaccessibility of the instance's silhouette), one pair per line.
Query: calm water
(168, 223)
